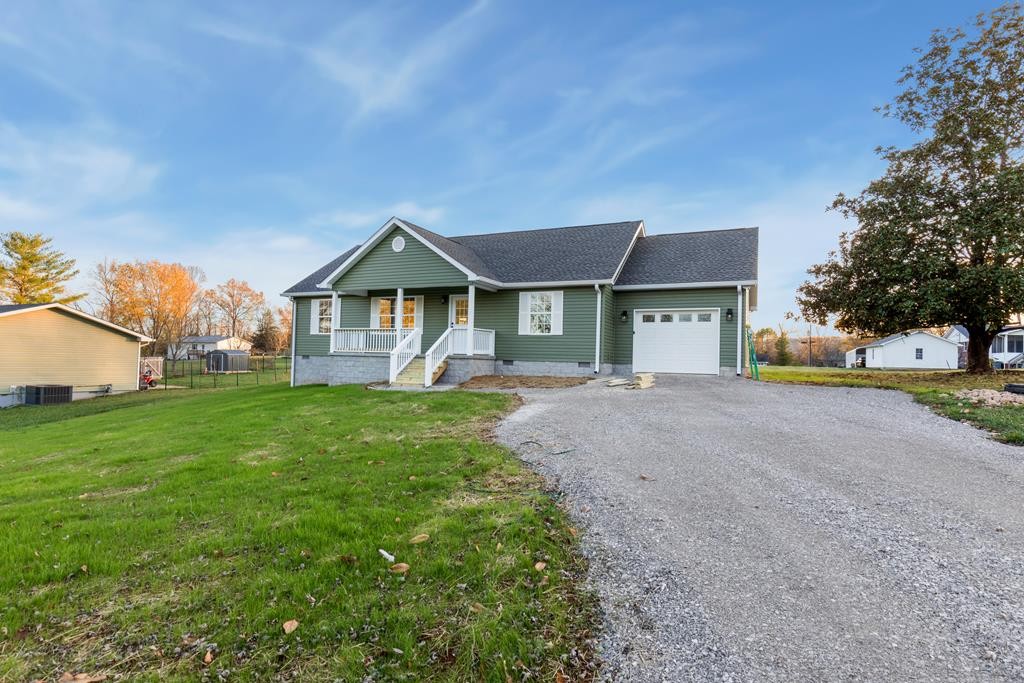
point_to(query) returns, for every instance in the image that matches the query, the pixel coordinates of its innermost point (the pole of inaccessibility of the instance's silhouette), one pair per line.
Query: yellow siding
(54, 347)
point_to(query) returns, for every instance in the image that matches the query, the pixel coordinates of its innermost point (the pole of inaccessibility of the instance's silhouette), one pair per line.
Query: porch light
(444, 299)
(728, 314)
(624, 316)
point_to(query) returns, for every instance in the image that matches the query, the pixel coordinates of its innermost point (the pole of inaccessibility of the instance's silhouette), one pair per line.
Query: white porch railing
(403, 353)
(436, 355)
(367, 339)
(483, 341)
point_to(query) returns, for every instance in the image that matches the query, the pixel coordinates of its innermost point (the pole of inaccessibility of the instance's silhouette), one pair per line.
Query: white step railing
(436, 354)
(483, 341)
(368, 339)
(403, 353)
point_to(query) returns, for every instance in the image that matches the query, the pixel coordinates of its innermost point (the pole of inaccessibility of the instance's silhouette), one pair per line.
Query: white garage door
(684, 341)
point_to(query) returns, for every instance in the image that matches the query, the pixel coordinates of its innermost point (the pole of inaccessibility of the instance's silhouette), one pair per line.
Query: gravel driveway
(747, 531)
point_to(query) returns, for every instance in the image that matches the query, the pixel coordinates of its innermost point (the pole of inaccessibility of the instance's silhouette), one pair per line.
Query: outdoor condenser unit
(47, 394)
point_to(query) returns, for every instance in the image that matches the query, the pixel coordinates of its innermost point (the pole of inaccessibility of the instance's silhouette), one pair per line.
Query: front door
(458, 311)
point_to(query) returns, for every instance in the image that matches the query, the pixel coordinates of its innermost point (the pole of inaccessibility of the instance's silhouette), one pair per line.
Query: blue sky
(259, 140)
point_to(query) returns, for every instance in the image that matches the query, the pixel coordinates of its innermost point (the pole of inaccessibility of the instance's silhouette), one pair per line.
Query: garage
(676, 340)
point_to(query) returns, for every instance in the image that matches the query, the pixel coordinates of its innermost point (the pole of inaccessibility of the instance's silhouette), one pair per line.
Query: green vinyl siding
(415, 266)
(608, 318)
(355, 311)
(307, 344)
(499, 311)
(721, 299)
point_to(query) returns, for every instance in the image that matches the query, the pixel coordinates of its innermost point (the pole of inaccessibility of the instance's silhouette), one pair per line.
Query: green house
(410, 306)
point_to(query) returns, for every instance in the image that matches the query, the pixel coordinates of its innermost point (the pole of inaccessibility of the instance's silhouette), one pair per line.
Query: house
(56, 344)
(197, 346)
(580, 300)
(959, 334)
(906, 350)
(1007, 349)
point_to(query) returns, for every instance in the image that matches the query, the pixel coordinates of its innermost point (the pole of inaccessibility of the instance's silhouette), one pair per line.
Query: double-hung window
(540, 313)
(385, 310)
(320, 316)
(919, 354)
(1015, 343)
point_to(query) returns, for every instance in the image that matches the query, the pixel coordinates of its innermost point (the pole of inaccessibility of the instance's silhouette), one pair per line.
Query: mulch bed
(522, 382)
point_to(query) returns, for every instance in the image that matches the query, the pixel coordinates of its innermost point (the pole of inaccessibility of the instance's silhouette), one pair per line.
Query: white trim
(81, 314)
(314, 316)
(293, 295)
(715, 311)
(471, 320)
(451, 309)
(543, 285)
(556, 313)
(597, 332)
(688, 285)
(375, 311)
(739, 330)
(622, 264)
(295, 310)
(328, 282)
(908, 335)
(398, 244)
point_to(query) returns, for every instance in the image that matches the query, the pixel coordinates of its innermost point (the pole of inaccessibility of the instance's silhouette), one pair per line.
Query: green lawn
(190, 374)
(935, 389)
(140, 533)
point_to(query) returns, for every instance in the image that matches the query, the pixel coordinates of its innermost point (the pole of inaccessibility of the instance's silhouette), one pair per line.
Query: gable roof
(903, 335)
(204, 338)
(960, 329)
(15, 309)
(710, 256)
(605, 253)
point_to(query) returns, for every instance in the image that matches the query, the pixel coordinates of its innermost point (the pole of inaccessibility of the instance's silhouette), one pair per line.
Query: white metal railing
(368, 339)
(403, 353)
(437, 354)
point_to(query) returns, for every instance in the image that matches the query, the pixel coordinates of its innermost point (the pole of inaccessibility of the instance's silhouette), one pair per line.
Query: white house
(1007, 350)
(197, 346)
(906, 350)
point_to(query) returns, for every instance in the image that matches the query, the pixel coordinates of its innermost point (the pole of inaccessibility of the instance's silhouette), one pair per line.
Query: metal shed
(224, 360)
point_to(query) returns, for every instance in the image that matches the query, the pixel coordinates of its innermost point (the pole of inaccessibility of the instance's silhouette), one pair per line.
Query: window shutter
(524, 313)
(375, 312)
(419, 312)
(556, 313)
(314, 320)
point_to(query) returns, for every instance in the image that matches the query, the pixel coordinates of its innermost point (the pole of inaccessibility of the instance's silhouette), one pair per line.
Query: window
(320, 316)
(997, 345)
(398, 244)
(1015, 344)
(540, 313)
(647, 318)
(686, 317)
(386, 312)
(919, 354)
(460, 311)
(666, 317)
(703, 317)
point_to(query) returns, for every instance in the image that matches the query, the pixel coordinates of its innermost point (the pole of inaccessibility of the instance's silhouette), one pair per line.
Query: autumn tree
(284, 327)
(33, 272)
(266, 336)
(939, 238)
(238, 304)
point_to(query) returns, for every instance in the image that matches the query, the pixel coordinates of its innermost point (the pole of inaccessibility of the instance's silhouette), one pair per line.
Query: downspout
(291, 379)
(739, 330)
(597, 335)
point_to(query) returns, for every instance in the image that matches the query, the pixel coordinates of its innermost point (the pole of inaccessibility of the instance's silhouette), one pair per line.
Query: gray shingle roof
(581, 252)
(204, 338)
(587, 253)
(709, 256)
(7, 308)
(309, 283)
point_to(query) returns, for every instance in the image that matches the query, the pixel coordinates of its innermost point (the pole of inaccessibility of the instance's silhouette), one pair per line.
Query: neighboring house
(197, 346)
(906, 350)
(578, 300)
(959, 334)
(1007, 350)
(57, 344)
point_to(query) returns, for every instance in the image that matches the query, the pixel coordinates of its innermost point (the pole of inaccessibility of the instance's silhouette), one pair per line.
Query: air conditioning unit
(47, 394)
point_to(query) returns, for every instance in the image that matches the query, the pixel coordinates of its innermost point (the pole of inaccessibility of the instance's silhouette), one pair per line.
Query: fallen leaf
(348, 559)
(69, 677)
(209, 657)
(477, 608)
(85, 568)
(399, 568)
(540, 566)
(374, 462)
(275, 474)
(544, 580)
(412, 477)
(644, 477)
(290, 625)
(572, 531)
(560, 677)
(499, 547)
(419, 538)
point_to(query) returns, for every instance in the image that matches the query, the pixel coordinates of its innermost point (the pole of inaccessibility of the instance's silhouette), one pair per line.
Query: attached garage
(684, 341)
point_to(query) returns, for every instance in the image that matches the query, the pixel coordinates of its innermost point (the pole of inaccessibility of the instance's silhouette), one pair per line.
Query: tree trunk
(977, 350)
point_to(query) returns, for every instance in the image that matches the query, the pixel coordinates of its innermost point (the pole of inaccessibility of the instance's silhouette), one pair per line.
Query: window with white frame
(1015, 343)
(385, 312)
(919, 354)
(320, 316)
(540, 313)
(997, 345)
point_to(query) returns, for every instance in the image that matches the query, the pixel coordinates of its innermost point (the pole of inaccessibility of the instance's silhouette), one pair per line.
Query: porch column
(335, 313)
(399, 313)
(470, 319)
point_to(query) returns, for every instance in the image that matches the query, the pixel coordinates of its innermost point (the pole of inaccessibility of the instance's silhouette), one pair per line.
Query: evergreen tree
(266, 336)
(33, 272)
(783, 356)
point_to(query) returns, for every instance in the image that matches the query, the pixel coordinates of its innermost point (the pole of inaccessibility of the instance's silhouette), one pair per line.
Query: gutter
(291, 379)
(597, 332)
(739, 330)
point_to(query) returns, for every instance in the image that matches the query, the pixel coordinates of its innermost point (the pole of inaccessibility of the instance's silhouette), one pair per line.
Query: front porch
(417, 338)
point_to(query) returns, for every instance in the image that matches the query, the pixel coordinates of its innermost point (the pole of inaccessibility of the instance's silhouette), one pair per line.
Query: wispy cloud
(348, 219)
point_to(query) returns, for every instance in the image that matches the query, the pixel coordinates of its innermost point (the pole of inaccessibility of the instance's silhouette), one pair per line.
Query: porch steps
(412, 375)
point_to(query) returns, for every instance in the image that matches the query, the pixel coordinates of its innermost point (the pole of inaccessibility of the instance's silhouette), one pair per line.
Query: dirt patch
(522, 382)
(991, 397)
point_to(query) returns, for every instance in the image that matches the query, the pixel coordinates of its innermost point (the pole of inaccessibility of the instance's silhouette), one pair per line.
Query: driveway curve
(748, 531)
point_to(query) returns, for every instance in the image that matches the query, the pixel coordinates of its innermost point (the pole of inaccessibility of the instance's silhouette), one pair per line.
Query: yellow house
(56, 344)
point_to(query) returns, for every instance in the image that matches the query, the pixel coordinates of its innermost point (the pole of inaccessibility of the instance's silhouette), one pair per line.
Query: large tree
(266, 336)
(33, 272)
(940, 237)
(239, 304)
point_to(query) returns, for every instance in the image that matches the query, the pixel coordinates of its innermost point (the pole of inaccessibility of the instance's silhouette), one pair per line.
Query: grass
(935, 389)
(189, 374)
(141, 535)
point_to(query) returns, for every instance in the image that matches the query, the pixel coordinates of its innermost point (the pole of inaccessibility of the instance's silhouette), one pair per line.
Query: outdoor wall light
(728, 314)
(624, 316)
(444, 299)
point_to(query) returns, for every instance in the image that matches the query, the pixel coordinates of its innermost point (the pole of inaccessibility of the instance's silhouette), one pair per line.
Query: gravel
(742, 531)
